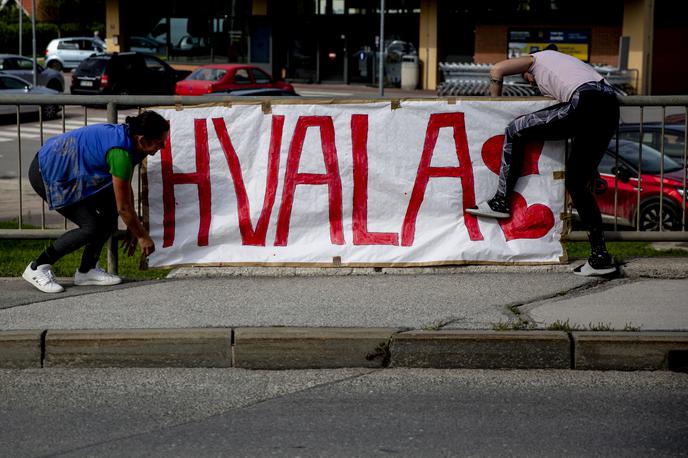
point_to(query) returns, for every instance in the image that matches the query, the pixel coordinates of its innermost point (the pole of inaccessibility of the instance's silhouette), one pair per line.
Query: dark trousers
(95, 216)
(590, 120)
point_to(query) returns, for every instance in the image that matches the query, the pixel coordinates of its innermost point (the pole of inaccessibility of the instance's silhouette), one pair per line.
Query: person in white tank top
(587, 113)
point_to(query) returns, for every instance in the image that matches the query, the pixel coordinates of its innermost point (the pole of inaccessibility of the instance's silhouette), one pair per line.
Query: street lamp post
(33, 38)
(21, 22)
(381, 68)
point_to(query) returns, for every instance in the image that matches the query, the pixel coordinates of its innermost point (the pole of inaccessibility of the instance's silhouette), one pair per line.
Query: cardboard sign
(357, 184)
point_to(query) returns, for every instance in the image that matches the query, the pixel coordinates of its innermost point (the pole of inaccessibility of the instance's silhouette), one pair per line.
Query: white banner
(349, 184)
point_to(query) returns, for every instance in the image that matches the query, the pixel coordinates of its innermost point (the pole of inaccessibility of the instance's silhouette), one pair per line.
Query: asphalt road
(352, 412)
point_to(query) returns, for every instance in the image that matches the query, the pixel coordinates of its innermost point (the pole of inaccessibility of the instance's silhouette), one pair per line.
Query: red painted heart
(492, 155)
(526, 222)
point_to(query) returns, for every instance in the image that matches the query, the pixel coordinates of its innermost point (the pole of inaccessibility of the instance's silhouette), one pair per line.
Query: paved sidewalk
(437, 303)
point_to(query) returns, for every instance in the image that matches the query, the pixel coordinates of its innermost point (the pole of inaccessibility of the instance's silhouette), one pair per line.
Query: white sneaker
(96, 276)
(586, 270)
(42, 278)
(484, 209)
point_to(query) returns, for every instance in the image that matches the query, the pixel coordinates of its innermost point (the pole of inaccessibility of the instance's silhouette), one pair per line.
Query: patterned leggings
(590, 119)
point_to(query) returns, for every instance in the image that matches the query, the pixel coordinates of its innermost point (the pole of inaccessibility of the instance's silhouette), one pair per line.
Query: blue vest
(74, 165)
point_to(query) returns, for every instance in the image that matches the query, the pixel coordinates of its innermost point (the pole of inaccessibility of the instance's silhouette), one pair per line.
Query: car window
(651, 158)
(674, 144)
(67, 45)
(241, 76)
(607, 163)
(127, 64)
(261, 77)
(208, 74)
(12, 83)
(24, 64)
(89, 45)
(8, 64)
(154, 64)
(92, 66)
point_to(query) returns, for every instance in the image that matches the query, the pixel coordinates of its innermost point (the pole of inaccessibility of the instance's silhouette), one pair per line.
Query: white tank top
(559, 75)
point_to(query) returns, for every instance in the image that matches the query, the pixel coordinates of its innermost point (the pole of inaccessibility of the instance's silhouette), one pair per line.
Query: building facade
(338, 40)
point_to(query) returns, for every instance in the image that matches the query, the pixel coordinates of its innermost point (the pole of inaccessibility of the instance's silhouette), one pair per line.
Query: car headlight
(681, 191)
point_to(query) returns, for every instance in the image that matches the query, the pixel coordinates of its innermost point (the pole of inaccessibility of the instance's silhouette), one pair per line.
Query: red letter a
(201, 178)
(331, 178)
(249, 236)
(425, 172)
(359, 136)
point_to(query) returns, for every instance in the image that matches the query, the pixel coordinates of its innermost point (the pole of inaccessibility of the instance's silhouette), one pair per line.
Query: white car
(11, 85)
(67, 53)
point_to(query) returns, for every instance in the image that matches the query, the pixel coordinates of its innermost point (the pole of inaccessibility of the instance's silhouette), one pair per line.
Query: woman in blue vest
(86, 176)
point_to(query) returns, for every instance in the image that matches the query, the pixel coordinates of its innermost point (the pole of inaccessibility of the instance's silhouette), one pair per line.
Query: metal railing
(469, 79)
(114, 103)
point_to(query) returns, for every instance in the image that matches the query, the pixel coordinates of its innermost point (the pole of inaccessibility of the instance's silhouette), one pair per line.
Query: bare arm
(507, 67)
(124, 198)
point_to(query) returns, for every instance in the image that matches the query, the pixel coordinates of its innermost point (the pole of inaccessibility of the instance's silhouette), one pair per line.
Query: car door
(261, 79)
(24, 69)
(159, 77)
(68, 50)
(10, 85)
(620, 198)
(242, 79)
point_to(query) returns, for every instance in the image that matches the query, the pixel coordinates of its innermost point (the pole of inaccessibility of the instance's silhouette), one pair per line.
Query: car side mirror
(623, 173)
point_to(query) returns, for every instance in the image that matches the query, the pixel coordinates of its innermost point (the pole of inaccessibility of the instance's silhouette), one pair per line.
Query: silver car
(22, 67)
(11, 85)
(67, 53)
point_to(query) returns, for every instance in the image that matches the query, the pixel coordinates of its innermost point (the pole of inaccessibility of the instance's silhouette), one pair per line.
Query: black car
(125, 73)
(673, 142)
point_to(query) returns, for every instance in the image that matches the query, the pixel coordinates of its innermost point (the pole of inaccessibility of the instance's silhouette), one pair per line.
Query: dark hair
(149, 124)
(552, 47)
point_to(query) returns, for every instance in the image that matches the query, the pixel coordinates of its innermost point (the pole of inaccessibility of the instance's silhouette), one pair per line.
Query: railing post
(112, 254)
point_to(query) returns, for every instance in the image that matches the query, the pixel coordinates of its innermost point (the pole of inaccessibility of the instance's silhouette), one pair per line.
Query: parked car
(674, 137)
(626, 170)
(145, 45)
(11, 85)
(259, 92)
(22, 67)
(67, 53)
(125, 73)
(228, 77)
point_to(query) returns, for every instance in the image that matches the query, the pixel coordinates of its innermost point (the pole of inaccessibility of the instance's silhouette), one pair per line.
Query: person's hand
(147, 245)
(129, 243)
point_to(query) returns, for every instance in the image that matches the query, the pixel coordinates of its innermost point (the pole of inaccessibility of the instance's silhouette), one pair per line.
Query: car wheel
(55, 65)
(650, 220)
(50, 111)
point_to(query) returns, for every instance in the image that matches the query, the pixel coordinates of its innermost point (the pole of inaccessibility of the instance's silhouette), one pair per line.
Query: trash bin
(409, 72)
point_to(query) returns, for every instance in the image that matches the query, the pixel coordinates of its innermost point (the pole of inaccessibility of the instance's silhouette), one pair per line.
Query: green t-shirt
(120, 164)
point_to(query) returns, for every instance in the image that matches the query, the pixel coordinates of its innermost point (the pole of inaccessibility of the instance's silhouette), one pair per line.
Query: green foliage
(56, 18)
(622, 250)
(16, 254)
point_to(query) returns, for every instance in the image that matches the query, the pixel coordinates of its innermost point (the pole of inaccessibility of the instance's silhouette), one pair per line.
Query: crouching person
(85, 175)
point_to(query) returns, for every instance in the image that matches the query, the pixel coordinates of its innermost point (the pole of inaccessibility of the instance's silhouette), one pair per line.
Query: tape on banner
(395, 105)
(560, 175)
(267, 108)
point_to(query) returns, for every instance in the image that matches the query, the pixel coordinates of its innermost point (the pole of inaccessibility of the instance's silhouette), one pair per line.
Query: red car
(626, 170)
(227, 78)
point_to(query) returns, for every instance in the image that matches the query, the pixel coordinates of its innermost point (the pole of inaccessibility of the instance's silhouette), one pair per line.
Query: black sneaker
(493, 208)
(599, 263)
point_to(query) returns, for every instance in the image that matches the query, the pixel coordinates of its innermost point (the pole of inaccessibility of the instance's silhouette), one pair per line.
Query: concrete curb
(138, 348)
(300, 348)
(481, 350)
(305, 348)
(631, 350)
(20, 349)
